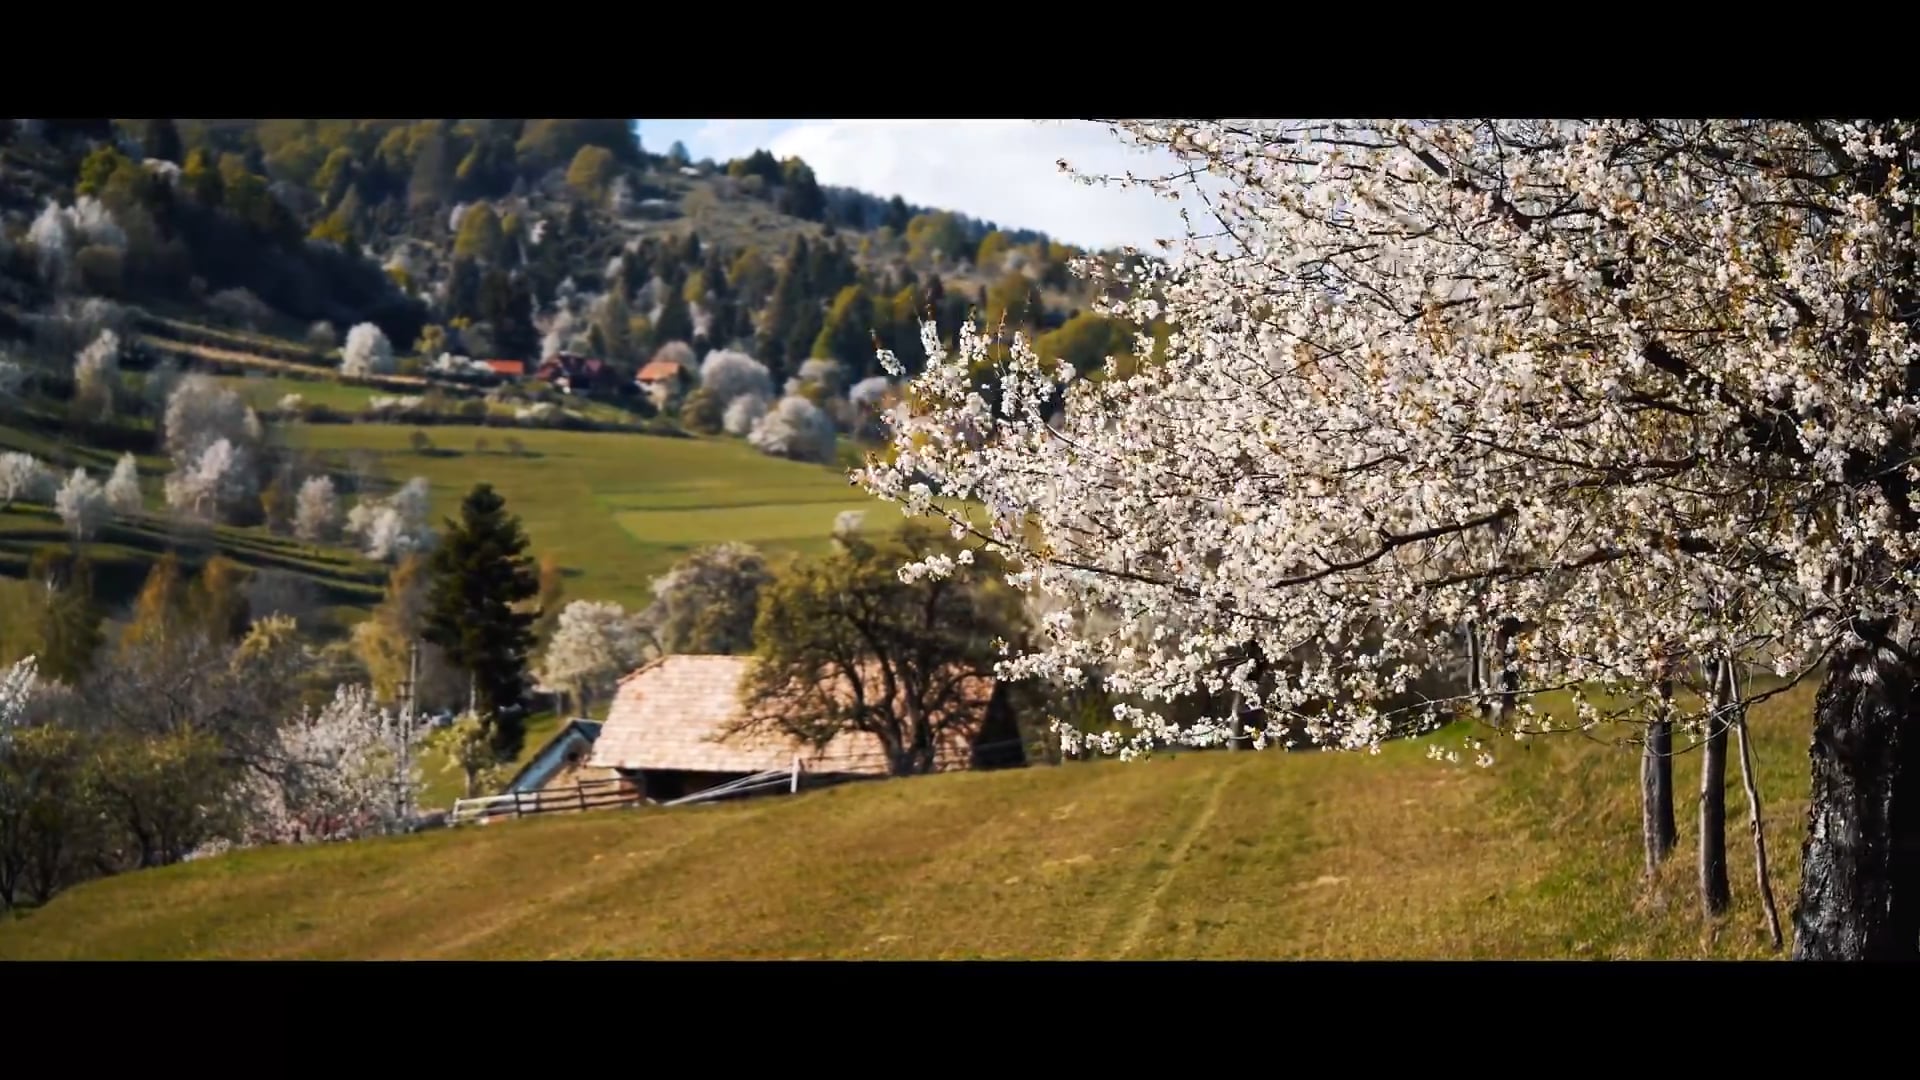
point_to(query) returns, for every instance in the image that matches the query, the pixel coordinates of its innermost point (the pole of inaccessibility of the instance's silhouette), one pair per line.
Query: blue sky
(997, 170)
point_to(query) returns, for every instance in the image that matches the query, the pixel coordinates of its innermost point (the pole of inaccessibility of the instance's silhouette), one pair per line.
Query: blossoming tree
(1638, 397)
(347, 771)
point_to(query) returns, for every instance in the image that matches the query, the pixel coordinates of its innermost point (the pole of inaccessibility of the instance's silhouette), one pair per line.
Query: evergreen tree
(676, 320)
(431, 184)
(160, 139)
(897, 216)
(506, 301)
(480, 235)
(848, 333)
(481, 575)
(463, 290)
(800, 193)
(784, 337)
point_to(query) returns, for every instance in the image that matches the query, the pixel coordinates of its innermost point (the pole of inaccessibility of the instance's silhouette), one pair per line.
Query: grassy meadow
(1192, 855)
(614, 509)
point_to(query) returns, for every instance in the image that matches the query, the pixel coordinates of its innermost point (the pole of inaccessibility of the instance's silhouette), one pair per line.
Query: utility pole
(407, 719)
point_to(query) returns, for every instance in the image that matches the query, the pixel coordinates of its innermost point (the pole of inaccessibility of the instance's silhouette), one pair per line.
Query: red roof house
(577, 373)
(658, 371)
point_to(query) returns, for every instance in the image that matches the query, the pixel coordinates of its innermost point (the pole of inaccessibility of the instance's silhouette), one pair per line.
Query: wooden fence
(585, 795)
(601, 794)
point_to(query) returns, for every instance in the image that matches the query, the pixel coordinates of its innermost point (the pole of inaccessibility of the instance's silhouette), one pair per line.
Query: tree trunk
(1477, 673)
(1507, 655)
(1756, 827)
(1860, 864)
(1656, 783)
(1715, 894)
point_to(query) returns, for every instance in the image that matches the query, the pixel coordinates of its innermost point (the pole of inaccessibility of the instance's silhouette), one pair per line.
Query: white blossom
(1639, 387)
(22, 476)
(201, 412)
(82, 505)
(391, 528)
(743, 413)
(870, 391)
(213, 483)
(348, 771)
(17, 685)
(316, 512)
(593, 644)
(98, 365)
(795, 428)
(58, 233)
(726, 374)
(123, 487)
(367, 352)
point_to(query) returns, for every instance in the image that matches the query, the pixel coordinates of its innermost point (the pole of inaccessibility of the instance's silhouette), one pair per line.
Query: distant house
(508, 369)
(668, 732)
(659, 379)
(577, 374)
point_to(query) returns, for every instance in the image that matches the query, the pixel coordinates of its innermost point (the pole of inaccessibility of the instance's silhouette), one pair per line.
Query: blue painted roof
(551, 756)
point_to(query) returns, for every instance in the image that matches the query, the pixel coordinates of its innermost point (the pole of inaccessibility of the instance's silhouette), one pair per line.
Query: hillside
(1202, 855)
(248, 248)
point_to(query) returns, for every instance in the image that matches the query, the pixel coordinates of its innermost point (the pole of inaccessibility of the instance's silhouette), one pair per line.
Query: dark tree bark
(1477, 673)
(1715, 893)
(1656, 783)
(1860, 864)
(1507, 680)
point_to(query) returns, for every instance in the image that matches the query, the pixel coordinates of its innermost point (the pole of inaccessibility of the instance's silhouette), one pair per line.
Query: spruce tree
(160, 139)
(481, 574)
(676, 320)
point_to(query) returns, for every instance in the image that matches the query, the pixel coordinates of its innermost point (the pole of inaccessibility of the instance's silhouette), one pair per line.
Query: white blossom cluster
(726, 374)
(218, 479)
(22, 476)
(59, 232)
(341, 773)
(1639, 389)
(391, 528)
(123, 487)
(98, 365)
(201, 412)
(316, 510)
(82, 505)
(794, 428)
(389, 403)
(367, 352)
(17, 685)
(593, 644)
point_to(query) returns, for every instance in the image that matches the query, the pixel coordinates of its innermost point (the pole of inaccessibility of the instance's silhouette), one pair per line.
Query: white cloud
(1003, 171)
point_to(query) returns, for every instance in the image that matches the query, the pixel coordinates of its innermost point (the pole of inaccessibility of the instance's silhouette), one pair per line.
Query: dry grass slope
(1254, 855)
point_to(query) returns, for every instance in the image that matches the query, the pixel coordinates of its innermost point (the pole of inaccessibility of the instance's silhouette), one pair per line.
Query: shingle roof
(657, 370)
(673, 713)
